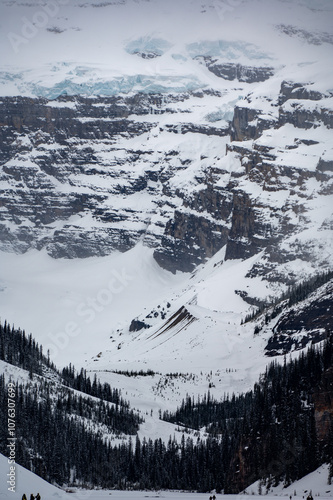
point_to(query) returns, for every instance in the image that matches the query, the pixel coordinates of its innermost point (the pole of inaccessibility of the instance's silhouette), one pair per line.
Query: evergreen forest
(268, 434)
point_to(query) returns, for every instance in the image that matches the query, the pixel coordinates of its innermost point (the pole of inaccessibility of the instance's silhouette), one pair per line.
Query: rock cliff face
(86, 176)
(303, 323)
(68, 166)
(61, 165)
(277, 169)
(255, 222)
(234, 71)
(187, 239)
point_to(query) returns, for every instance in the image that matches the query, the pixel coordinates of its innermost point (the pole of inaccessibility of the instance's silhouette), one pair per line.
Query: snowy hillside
(143, 405)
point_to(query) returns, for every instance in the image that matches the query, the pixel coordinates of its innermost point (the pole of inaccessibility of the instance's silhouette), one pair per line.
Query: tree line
(292, 296)
(267, 434)
(270, 432)
(23, 351)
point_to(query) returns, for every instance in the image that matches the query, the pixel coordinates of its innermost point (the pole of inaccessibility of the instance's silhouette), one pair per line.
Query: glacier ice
(225, 112)
(178, 57)
(19, 84)
(227, 50)
(148, 45)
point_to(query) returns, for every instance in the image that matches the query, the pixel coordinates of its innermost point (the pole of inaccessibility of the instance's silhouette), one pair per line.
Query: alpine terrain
(166, 235)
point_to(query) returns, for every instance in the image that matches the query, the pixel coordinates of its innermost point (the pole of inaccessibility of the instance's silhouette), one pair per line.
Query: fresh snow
(50, 52)
(315, 482)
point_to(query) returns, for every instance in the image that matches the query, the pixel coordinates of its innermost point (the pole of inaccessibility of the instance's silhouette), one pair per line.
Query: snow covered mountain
(166, 169)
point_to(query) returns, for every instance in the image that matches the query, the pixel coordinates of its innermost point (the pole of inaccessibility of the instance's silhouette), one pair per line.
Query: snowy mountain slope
(197, 139)
(207, 348)
(27, 482)
(80, 322)
(98, 295)
(307, 321)
(200, 327)
(146, 408)
(315, 482)
(205, 341)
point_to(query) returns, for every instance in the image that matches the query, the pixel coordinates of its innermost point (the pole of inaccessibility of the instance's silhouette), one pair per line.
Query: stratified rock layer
(87, 176)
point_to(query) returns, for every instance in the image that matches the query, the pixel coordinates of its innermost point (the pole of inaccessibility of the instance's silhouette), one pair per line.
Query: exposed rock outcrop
(236, 71)
(307, 321)
(293, 90)
(303, 107)
(249, 123)
(73, 168)
(188, 240)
